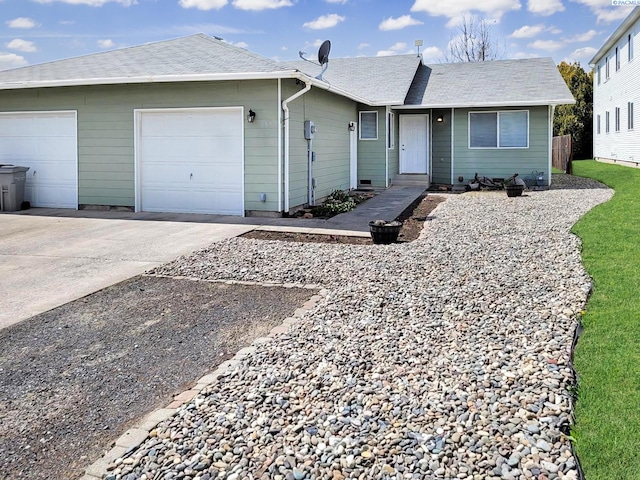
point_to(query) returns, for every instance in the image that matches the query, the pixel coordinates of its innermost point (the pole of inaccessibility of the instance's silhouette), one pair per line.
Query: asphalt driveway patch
(73, 379)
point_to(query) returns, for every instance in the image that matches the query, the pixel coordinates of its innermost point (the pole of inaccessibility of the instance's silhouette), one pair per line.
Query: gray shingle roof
(380, 80)
(192, 55)
(534, 81)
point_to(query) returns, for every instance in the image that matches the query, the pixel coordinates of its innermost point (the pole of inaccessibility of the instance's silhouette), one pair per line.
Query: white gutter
(285, 109)
(489, 105)
(279, 143)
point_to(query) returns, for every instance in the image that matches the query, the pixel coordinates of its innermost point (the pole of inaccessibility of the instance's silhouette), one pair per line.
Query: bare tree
(474, 42)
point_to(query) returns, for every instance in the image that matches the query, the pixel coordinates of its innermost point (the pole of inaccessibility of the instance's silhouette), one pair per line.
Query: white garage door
(191, 160)
(47, 143)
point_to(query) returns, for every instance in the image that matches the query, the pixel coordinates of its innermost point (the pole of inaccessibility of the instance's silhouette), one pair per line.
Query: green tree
(577, 120)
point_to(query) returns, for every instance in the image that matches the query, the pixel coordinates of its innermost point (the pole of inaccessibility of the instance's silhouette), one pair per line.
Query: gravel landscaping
(447, 357)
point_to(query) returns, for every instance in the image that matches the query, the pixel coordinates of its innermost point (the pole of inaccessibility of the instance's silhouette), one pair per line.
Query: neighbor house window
(598, 124)
(499, 129)
(630, 50)
(391, 132)
(606, 122)
(630, 115)
(606, 68)
(617, 119)
(368, 125)
(617, 59)
(599, 74)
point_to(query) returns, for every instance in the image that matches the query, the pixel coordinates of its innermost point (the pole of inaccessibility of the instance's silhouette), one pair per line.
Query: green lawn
(607, 430)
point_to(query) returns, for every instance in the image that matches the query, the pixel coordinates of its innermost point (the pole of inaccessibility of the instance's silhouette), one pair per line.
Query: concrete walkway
(386, 205)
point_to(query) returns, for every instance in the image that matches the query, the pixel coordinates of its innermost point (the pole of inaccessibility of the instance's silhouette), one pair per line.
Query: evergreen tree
(577, 120)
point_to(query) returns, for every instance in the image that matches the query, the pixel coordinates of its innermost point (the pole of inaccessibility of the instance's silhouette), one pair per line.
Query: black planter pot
(514, 190)
(384, 234)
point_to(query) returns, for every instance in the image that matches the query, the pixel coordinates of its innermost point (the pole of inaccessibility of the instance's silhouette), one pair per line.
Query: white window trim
(598, 124)
(607, 122)
(361, 122)
(391, 131)
(630, 115)
(616, 119)
(497, 147)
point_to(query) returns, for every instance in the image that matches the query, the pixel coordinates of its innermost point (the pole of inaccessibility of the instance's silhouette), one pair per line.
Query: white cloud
(549, 45)
(399, 23)
(521, 55)
(258, 5)
(239, 44)
(455, 9)
(395, 49)
(21, 45)
(528, 31)
(604, 11)
(324, 21)
(581, 54)
(432, 54)
(91, 3)
(581, 37)
(342, 2)
(11, 60)
(363, 45)
(203, 4)
(545, 7)
(21, 22)
(106, 43)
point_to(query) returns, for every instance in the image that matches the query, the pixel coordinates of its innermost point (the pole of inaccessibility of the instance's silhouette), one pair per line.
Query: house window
(508, 129)
(606, 68)
(598, 124)
(617, 120)
(368, 125)
(617, 59)
(630, 115)
(630, 50)
(391, 132)
(599, 74)
(606, 122)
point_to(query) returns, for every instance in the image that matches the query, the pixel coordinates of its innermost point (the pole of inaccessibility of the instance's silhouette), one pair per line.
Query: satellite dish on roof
(323, 57)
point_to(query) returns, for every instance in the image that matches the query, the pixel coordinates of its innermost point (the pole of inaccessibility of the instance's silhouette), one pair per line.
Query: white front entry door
(414, 143)
(190, 160)
(47, 143)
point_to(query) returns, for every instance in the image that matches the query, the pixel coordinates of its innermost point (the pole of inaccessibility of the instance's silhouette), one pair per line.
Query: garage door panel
(46, 142)
(191, 161)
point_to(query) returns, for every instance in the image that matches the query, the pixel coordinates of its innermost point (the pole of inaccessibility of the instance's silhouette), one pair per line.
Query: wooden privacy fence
(562, 153)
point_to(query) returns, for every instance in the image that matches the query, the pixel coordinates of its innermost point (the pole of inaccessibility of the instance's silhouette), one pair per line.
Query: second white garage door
(190, 160)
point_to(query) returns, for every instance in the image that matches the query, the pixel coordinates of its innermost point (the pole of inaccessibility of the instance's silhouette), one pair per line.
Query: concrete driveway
(46, 262)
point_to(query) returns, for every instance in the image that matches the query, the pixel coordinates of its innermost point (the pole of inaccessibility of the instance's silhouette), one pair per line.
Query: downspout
(285, 109)
(386, 145)
(279, 145)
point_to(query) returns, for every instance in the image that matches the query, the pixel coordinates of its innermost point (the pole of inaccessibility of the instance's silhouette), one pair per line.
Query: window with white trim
(508, 129)
(606, 68)
(630, 115)
(617, 119)
(368, 125)
(391, 131)
(617, 59)
(598, 124)
(606, 122)
(599, 74)
(630, 47)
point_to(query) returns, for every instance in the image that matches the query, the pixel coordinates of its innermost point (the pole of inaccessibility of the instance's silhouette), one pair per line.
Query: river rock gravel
(448, 357)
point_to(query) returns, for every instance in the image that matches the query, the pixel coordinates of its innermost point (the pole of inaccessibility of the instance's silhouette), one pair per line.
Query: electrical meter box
(309, 129)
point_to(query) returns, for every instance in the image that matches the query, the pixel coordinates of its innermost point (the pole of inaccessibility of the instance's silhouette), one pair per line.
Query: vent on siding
(365, 182)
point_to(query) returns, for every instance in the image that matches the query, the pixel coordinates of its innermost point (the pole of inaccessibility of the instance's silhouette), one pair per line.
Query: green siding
(394, 153)
(331, 115)
(441, 147)
(371, 153)
(502, 163)
(106, 131)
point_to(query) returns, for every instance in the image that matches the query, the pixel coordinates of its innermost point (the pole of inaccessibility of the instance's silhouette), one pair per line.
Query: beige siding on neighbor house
(331, 115)
(106, 131)
(503, 162)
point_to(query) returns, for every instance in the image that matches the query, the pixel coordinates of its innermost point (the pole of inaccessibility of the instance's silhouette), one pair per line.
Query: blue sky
(36, 31)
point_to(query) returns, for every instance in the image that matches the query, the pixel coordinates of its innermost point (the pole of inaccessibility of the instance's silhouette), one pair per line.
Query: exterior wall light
(440, 119)
(251, 117)
(352, 126)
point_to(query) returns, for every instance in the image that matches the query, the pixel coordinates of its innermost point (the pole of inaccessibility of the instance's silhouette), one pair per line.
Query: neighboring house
(616, 94)
(198, 125)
